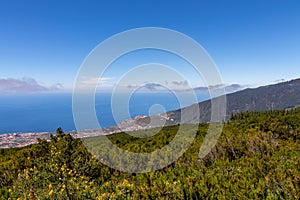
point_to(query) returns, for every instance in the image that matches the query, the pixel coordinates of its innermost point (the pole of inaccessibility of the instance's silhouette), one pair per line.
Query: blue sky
(252, 42)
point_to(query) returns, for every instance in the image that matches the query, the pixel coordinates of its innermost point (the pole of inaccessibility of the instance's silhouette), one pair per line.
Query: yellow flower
(51, 193)
(50, 186)
(9, 190)
(112, 195)
(102, 196)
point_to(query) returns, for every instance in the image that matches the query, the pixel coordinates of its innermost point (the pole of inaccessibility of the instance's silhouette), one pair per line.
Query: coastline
(11, 140)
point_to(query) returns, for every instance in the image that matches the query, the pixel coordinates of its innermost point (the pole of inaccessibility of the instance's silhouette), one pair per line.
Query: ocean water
(46, 112)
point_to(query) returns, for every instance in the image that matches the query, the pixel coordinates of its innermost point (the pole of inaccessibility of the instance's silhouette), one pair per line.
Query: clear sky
(253, 42)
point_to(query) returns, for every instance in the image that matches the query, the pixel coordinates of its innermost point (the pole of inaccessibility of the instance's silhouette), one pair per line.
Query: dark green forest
(256, 157)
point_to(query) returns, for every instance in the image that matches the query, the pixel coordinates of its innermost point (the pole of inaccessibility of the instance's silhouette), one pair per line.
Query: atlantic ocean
(22, 113)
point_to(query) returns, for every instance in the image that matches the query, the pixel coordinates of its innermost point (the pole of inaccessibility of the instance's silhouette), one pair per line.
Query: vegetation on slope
(257, 156)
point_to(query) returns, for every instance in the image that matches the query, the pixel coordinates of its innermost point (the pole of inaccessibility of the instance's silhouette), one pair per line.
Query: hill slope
(271, 97)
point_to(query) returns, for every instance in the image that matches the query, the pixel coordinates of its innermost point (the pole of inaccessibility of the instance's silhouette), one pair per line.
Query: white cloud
(95, 80)
(25, 85)
(180, 83)
(215, 88)
(101, 83)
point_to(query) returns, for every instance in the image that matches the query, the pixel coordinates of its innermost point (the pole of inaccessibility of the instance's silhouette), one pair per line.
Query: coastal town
(136, 123)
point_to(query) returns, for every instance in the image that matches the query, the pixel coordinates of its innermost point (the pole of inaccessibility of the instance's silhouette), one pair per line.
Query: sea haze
(46, 112)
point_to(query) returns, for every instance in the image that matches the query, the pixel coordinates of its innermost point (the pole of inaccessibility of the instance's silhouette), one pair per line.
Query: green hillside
(256, 157)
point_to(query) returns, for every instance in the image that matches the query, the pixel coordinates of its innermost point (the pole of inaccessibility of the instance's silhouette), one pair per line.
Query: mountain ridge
(284, 95)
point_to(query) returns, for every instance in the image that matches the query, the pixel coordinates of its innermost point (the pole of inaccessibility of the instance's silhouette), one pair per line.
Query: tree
(59, 132)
